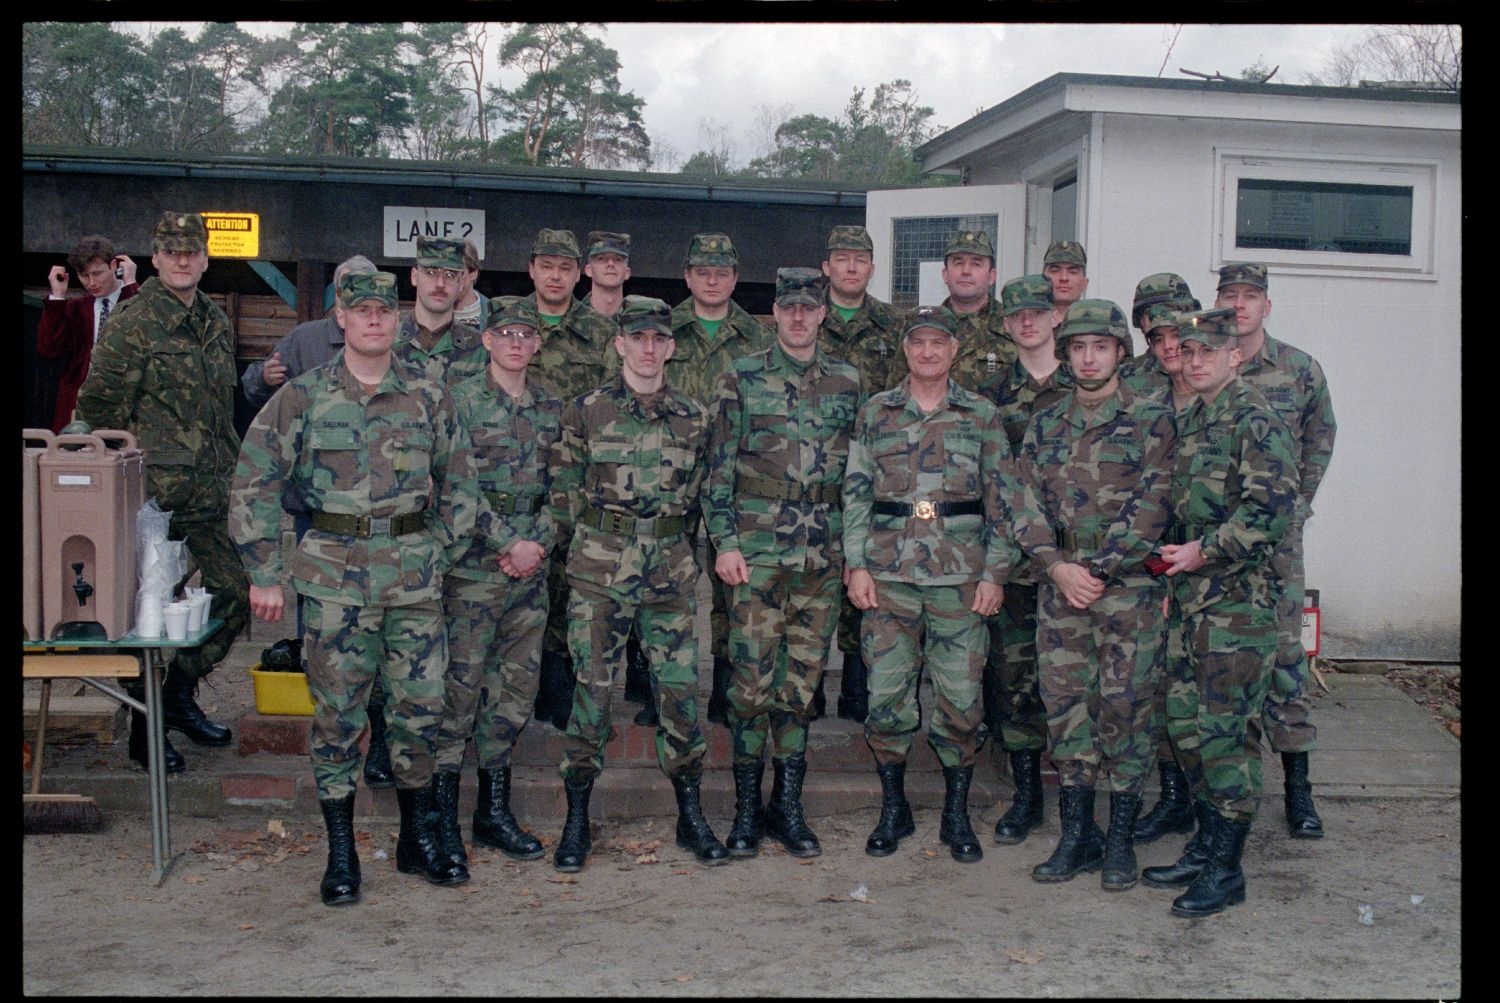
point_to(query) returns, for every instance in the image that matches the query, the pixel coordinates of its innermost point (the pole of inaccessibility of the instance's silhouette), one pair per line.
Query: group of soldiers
(501, 502)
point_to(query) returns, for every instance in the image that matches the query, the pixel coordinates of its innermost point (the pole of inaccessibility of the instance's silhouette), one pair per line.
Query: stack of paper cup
(175, 617)
(197, 611)
(148, 621)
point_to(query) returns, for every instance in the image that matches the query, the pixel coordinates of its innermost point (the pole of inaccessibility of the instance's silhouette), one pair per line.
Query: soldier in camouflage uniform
(1065, 266)
(779, 436)
(1095, 468)
(1170, 294)
(375, 453)
(577, 343)
(1234, 493)
(626, 476)
(495, 598)
(429, 340)
(163, 369)
(928, 551)
(1294, 383)
(1013, 708)
(712, 331)
(866, 333)
(985, 348)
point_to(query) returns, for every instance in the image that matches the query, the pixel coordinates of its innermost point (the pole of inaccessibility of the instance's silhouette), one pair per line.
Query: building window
(925, 238)
(1322, 216)
(1065, 208)
(1328, 216)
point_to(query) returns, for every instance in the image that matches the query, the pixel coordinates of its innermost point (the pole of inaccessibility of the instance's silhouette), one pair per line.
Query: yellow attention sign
(233, 234)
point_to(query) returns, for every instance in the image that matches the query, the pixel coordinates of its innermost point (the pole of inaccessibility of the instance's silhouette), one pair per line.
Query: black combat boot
(955, 830)
(445, 830)
(819, 708)
(1302, 821)
(749, 826)
(1119, 843)
(895, 821)
(494, 825)
(718, 697)
(378, 775)
(784, 818)
(693, 832)
(647, 716)
(417, 847)
(1025, 811)
(1081, 845)
(1221, 883)
(854, 688)
(554, 691)
(1174, 812)
(140, 737)
(1194, 854)
(637, 672)
(340, 885)
(575, 843)
(179, 711)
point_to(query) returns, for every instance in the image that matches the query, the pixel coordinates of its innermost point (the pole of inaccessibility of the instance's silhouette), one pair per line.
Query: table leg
(161, 835)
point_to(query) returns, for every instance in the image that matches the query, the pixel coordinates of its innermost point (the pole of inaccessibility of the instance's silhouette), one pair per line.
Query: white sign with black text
(405, 223)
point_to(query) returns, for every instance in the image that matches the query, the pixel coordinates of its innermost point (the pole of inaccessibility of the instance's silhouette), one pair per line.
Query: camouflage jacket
(513, 438)
(697, 362)
(775, 420)
(984, 348)
(1018, 396)
(1143, 374)
(640, 458)
(899, 454)
(324, 441)
(1100, 478)
(457, 355)
(870, 341)
(578, 354)
(1234, 486)
(1294, 384)
(165, 373)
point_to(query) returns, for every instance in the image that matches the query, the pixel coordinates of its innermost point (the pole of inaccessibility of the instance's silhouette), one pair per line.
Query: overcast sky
(689, 74)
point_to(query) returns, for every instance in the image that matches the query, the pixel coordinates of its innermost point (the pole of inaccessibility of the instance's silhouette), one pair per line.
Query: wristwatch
(1096, 570)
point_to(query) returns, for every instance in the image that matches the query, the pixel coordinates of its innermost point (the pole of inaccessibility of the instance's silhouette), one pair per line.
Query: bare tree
(1405, 53)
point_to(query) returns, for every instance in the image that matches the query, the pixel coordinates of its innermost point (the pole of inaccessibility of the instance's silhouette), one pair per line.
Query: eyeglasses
(520, 334)
(1196, 350)
(431, 272)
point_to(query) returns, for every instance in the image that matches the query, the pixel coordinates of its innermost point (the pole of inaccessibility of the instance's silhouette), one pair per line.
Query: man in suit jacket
(69, 327)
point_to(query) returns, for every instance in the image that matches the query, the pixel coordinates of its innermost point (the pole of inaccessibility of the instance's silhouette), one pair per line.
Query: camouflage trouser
(345, 648)
(556, 637)
(1171, 654)
(598, 624)
(953, 653)
(718, 611)
(224, 576)
(850, 616)
(1286, 717)
(494, 659)
(1214, 701)
(1012, 695)
(1099, 670)
(780, 624)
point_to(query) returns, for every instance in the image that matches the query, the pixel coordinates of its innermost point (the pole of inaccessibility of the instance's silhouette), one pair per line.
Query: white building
(1351, 196)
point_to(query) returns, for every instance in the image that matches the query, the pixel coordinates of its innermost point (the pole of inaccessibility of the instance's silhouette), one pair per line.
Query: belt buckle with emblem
(925, 510)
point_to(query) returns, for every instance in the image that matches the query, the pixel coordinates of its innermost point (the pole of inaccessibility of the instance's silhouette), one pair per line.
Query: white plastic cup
(197, 612)
(175, 616)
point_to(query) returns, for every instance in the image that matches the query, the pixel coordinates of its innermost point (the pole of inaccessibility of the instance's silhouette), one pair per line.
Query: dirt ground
(239, 915)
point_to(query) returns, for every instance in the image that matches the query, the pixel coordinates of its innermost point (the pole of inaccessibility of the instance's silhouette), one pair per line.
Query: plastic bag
(163, 562)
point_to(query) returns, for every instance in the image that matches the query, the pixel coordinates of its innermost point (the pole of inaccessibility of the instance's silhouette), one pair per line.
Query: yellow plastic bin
(281, 692)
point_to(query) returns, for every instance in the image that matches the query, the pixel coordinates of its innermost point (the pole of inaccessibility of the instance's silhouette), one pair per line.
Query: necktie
(103, 316)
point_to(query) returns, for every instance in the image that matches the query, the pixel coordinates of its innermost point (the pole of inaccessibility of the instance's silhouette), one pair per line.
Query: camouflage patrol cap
(971, 242)
(850, 238)
(559, 242)
(799, 285)
(440, 252)
(1158, 315)
(604, 242)
(1029, 292)
(356, 287)
(712, 249)
(1065, 252)
(180, 231)
(1246, 273)
(1213, 328)
(1093, 317)
(644, 313)
(1161, 287)
(938, 318)
(508, 310)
